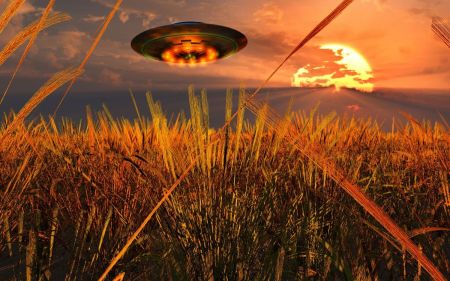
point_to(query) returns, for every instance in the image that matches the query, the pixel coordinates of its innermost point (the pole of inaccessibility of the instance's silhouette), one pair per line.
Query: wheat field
(253, 208)
(297, 196)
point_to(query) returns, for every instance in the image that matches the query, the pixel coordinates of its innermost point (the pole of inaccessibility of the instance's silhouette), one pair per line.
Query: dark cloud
(268, 45)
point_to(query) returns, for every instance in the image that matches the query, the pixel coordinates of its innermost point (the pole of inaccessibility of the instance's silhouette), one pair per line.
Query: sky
(394, 37)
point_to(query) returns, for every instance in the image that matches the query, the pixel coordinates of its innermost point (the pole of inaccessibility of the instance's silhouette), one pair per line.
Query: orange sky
(394, 36)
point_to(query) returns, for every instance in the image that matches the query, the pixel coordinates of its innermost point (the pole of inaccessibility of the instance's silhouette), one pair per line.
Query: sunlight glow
(354, 71)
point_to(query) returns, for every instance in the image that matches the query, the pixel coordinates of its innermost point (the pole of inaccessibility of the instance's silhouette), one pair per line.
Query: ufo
(189, 43)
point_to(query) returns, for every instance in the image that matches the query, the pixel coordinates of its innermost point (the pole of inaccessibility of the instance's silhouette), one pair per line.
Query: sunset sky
(393, 36)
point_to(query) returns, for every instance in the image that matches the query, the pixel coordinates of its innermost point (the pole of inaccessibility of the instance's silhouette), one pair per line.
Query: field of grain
(252, 208)
(297, 196)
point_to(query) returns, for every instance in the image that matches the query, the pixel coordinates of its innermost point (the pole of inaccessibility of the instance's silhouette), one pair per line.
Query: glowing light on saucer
(189, 43)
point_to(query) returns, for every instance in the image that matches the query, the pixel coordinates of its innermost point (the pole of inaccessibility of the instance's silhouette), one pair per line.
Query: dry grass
(255, 201)
(9, 12)
(225, 129)
(253, 206)
(97, 39)
(319, 156)
(48, 88)
(27, 32)
(442, 31)
(33, 37)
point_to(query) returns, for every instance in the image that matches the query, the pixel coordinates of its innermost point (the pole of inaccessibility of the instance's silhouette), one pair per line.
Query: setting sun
(224, 140)
(349, 69)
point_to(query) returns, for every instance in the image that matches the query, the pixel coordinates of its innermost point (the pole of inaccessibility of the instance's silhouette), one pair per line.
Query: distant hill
(381, 105)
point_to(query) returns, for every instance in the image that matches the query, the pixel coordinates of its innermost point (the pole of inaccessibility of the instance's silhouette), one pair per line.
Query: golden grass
(317, 155)
(119, 277)
(28, 31)
(144, 223)
(91, 49)
(340, 8)
(54, 83)
(425, 230)
(9, 12)
(205, 152)
(120, 167)
(442, 30)
(34, 35)
(143, 176)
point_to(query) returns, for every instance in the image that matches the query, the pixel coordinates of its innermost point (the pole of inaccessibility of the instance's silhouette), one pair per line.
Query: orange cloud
(91, 18)
(269, 13)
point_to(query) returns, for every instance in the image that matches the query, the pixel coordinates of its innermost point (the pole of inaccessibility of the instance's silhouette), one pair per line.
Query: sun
(349, 70)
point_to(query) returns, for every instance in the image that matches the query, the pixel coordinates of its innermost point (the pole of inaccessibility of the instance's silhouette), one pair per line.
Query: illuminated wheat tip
(27, 32)
(29, 45)
(91, 49)
(9, 12)
(52, 85)
(442, 30)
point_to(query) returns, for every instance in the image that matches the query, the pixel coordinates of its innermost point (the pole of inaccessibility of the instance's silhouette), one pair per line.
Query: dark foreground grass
(253, 208)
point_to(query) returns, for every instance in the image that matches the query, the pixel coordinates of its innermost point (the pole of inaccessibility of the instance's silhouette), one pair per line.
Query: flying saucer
(189, 43)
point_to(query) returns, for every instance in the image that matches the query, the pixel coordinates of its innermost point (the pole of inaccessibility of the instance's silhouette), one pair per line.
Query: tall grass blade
(47, 89)
(205, 112)
(239, 121)
(442, 30)
(145, 222)
(341, 7)
(228, 112)
(136, 108)
(20, 226)
(30, 44)
(9, 12)
(27, 32)
(90, 51)
(30, 255)
(8, 235)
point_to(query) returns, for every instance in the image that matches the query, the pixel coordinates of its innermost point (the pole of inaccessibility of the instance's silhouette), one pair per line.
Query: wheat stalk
(317, 156)
(146, 220)
(441, 30)
(91, 50)
(341, 7)
(425, 230)
(55, 82)
(30, 44)
(321, 161)
(28, 31)
(9, 12)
